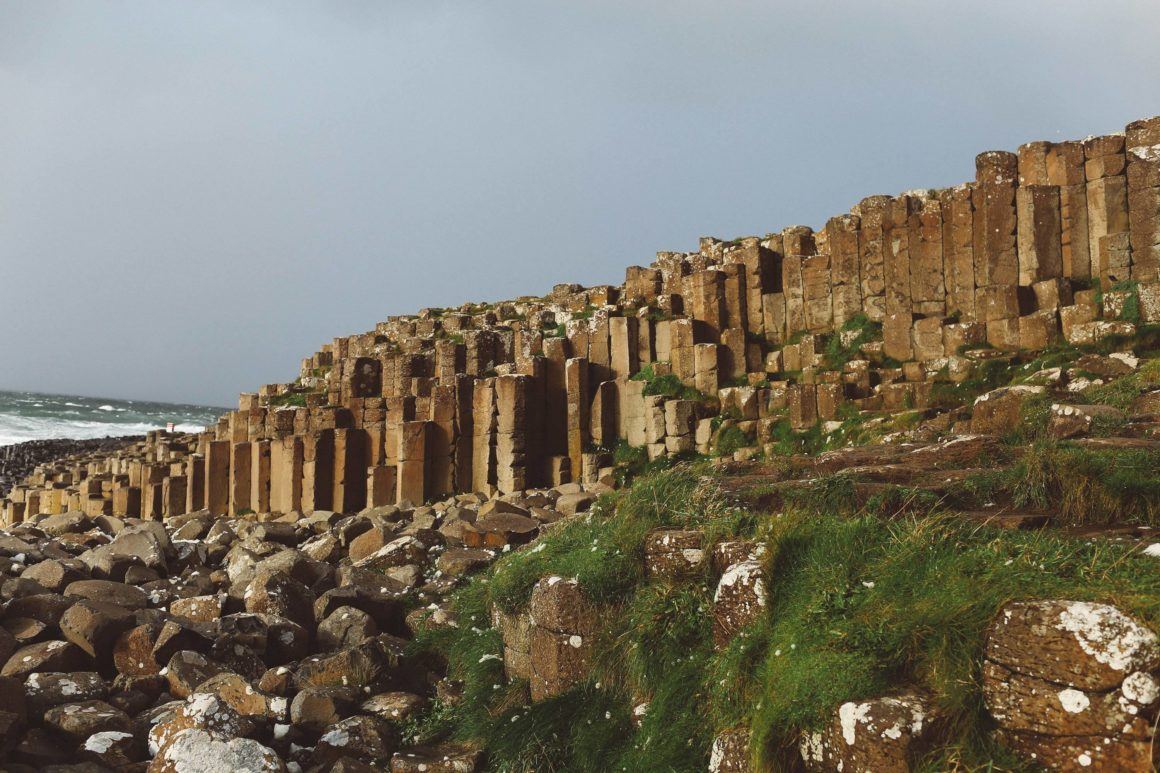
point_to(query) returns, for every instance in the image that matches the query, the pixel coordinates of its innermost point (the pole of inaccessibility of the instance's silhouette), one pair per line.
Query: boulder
(498, 529)
(563, 623)
(278, 594)
(730, 752)
(345, 627)
(445, 758)
(198, 751)
(43, 691)
(674, 554)
(366, 739)
(78, 721)
(998, 411)
(883, 735)
(1073, 685)
(46, 656)
(95, 627)
(739, 600)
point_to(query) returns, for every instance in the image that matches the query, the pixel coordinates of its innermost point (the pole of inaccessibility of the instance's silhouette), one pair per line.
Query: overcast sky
(195, 195)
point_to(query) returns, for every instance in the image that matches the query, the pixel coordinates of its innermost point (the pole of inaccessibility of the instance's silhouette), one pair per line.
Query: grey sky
(195, 195)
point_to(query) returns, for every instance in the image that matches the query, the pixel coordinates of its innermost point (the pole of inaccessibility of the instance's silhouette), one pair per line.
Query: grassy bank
(858, 605)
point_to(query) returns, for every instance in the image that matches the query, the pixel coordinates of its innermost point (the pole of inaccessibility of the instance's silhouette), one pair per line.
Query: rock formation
(252, 596)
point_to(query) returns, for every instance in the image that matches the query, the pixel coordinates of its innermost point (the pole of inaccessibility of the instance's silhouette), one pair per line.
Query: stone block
(706, 375)
(995, 249)
(1040, 240)
(740, 598)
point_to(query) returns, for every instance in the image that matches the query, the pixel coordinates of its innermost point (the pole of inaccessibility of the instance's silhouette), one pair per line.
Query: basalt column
(412, 462)
(241, 469)
(217, 476)
(1107, 199)
(286, 471)
(511, 395)
(996, 252)
(1142, 142)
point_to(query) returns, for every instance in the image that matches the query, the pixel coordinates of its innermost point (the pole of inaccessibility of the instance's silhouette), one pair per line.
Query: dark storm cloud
(195, 195)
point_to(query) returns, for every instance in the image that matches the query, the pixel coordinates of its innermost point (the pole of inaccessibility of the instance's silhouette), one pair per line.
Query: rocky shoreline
(17, 461)
(269, 643)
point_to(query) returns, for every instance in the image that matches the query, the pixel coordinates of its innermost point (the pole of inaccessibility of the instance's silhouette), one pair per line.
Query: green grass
(288, 399)
(1078, 486)
(731, 439)
(668, 385)
(1121, 392)
(857, 606)
(838, 354)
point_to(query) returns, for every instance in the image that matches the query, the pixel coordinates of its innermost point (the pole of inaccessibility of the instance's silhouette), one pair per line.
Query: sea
(35, 416)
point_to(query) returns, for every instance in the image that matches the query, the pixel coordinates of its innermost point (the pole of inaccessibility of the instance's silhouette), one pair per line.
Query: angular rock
(367, 739)
(445, 758)
(887, 734)
(78, 721)
(674, 553)
(197, 750)
(45, 656)
(739, 600)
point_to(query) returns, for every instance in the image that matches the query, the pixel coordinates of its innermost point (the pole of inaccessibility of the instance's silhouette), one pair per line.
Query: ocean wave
(77, 430)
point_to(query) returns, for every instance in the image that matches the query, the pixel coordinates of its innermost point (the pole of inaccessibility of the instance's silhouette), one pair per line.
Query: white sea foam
(29, 416)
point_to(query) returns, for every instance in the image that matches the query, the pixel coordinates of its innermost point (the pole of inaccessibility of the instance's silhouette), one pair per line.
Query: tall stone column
(318, 470)
(1142, 141)
(195, 485)
(622, 333)
(842, 237)
(350, 470)
(928, 292)
(704, 294)
(412, 462)
(1107, 198)
(872, 212)
(578, 404)
(1040, 236)
(440, 443)
(217, 477)
(483, 471)
(556, 390)
(1065, 168)
(996, 256)
(958, 217)
(260, 476)
(511, 393)
(286, 470)
(241, 469)
(464, 450)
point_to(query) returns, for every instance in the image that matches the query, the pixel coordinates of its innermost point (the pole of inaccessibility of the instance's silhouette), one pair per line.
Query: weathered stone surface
(887, 734)
(998, 411)
(45, 656)
(730, 753)
(563, 623)
(1073, 685)
(197, 750)
(674, 553)
(78, 721)
(739, 599)
(446, 758)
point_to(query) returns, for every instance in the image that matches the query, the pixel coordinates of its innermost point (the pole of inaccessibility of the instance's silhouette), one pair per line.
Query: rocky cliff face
(1060, 241)
(878, 497)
